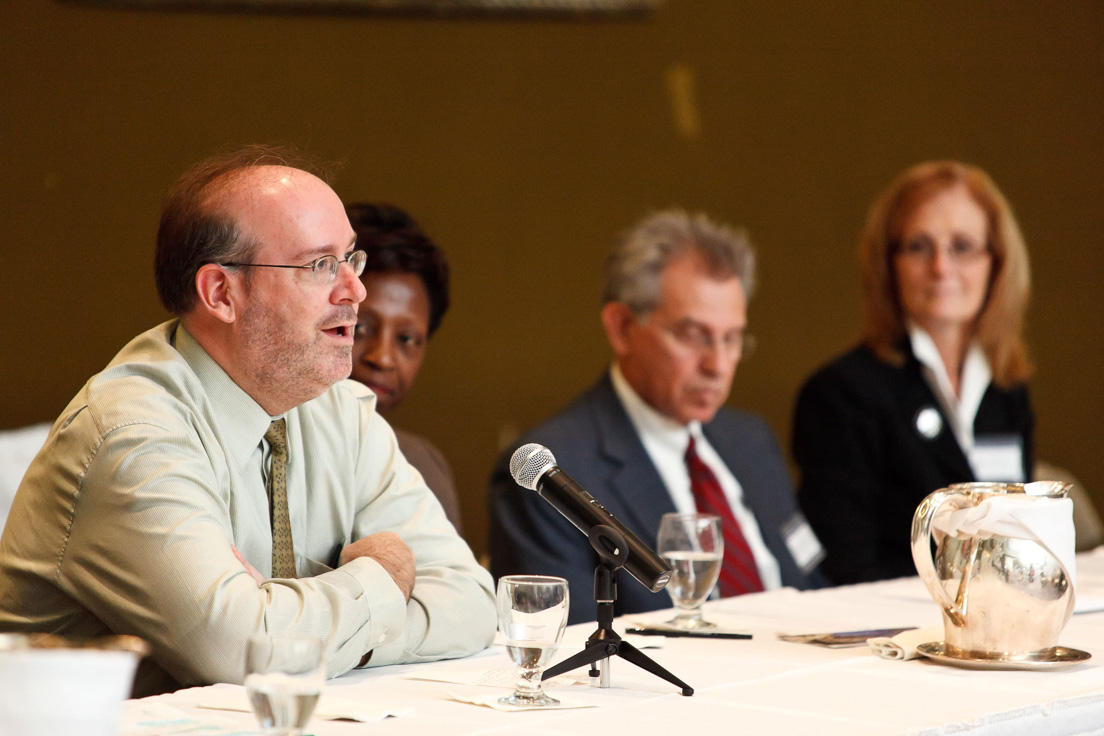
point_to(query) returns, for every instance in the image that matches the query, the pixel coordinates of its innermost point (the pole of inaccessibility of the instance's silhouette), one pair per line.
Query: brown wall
(524, 147)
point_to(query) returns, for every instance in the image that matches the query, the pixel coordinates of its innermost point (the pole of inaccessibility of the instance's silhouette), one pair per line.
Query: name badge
(998, 458)
(802, 542)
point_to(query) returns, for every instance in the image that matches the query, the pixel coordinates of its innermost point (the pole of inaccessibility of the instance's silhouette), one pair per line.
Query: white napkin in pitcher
(1048, 521)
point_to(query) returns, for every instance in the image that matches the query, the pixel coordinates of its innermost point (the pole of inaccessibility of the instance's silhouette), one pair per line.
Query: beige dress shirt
(124, 524)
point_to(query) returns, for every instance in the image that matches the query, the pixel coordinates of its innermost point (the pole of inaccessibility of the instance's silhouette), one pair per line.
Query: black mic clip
(610, 546)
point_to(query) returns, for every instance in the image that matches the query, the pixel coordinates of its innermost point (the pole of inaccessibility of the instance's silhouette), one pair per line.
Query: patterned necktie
(283, 552)
(738, 572)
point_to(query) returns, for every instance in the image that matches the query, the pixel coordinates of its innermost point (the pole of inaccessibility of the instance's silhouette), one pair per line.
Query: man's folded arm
(150, 552)
(451, 612)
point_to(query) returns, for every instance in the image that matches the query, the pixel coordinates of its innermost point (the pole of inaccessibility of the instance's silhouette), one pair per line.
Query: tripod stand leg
(630, 653)
(593, 652)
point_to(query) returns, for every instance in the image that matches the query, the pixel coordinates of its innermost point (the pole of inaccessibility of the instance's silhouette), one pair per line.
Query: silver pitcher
(1000, 595)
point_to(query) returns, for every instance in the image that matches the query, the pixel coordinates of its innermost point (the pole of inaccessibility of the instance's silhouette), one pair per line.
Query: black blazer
(594, 441)
(865, 467)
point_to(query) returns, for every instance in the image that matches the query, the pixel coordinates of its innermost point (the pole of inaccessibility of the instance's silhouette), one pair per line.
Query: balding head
(280, 327)
(199, 222)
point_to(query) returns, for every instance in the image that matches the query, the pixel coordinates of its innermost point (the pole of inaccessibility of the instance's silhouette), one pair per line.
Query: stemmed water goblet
(532, 614)
(284, 675)
(693, 545)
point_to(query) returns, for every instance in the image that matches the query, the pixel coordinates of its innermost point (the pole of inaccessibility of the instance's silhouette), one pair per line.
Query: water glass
(693, 545)
(532, 614)
(284, 675)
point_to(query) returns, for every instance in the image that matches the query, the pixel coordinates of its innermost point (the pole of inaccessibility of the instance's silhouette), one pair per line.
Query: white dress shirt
(665, 441)
(961, 408)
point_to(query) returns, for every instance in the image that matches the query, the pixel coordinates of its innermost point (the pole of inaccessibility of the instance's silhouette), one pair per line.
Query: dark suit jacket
(865, 467)
(596, 443)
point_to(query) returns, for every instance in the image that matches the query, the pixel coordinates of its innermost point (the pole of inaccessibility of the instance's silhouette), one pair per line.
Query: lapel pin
(928, 422)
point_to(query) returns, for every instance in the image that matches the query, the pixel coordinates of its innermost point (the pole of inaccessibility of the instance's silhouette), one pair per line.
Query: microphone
(533, 466)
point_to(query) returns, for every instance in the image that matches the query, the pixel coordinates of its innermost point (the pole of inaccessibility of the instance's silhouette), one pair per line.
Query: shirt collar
(240, 420)
(975, 379)
(649, 422)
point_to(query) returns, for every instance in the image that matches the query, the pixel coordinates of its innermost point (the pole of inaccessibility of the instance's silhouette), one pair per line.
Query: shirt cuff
(386, 603)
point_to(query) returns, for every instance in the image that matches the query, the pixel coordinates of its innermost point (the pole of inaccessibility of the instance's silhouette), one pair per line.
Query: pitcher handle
(922, 554)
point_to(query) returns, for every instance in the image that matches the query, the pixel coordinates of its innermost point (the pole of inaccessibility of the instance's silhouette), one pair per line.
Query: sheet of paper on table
(329, 708)
(491, 701)
(148, 718)
(490, 678)
(476, 671)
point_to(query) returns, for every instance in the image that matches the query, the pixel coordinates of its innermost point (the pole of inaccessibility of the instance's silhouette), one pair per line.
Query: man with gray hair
(651, 437)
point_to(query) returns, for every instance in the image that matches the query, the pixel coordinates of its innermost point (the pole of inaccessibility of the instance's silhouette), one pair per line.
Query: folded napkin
(903, 646)
(1048, 521)
(329, 708)
(491, 701)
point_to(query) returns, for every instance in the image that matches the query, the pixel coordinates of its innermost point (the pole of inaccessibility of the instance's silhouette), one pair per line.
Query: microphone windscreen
(529, 463)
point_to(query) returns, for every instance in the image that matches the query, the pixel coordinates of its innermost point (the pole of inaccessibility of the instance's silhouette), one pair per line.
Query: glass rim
(690, 515)
(533, 579)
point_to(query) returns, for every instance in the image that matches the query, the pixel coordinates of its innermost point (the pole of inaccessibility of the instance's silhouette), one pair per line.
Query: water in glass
(532, 614)
(693, 545)
(284, 678)
(695, 574)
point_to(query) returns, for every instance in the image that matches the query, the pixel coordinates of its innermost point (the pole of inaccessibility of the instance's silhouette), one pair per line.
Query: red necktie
(738, 573)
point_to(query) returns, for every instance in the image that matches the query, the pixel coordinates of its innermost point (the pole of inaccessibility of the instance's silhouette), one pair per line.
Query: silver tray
(1051, 658)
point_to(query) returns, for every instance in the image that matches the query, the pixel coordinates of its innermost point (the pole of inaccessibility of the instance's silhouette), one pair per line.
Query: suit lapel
(634, 485)
(759, 484)
(943, 449)
(742, 465)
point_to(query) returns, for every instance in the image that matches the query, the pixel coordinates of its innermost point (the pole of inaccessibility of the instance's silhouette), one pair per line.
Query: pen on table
(689, 634)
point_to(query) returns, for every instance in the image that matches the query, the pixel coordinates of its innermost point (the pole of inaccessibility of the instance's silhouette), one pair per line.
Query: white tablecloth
(758, 686)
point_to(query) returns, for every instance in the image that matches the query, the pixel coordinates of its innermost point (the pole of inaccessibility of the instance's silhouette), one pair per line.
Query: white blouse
(962, 408)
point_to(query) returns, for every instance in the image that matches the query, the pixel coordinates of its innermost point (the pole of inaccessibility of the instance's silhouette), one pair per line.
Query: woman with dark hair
(935, 393)
(406, 278)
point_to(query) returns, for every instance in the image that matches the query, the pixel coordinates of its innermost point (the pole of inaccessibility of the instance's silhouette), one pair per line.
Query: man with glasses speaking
(219, 479)
(651, 437)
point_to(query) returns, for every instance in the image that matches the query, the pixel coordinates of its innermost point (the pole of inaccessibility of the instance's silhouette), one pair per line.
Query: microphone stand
(605, 642)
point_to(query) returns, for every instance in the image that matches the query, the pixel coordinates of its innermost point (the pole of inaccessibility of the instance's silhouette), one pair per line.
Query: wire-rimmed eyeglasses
(323, 270)
(959, 250)
(699, 340)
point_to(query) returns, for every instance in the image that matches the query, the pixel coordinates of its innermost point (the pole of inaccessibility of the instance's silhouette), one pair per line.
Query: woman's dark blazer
(865, 467)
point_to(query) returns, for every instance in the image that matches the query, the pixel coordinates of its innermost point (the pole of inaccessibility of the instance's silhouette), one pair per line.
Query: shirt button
(381, 638)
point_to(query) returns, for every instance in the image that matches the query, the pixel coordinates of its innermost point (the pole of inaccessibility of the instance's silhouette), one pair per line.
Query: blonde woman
(935, 393)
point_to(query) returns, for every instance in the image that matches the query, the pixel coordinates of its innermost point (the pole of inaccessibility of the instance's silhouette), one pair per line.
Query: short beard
(286, 371)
